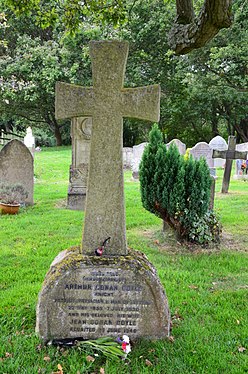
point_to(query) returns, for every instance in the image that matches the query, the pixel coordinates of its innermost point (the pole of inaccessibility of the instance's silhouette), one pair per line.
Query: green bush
(177, 189)
(206, 229)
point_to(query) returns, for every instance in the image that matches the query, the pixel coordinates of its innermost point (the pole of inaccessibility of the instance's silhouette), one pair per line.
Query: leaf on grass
(238, 322)
(39, 348)
(148, 363)
(90, 358)
(193, 287)
(102, 371)
(46, 358)
(7, 355)
(171, 339)
(241, 349)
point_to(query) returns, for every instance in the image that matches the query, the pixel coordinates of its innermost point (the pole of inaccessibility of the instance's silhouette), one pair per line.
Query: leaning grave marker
(17, 166)
(85, 296)
(229, 155)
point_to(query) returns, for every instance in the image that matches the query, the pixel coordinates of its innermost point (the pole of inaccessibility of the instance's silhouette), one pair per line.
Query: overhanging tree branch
(190, 32)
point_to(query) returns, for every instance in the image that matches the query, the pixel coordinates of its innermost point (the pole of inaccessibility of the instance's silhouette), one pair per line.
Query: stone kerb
(218, 143)
(17, 166)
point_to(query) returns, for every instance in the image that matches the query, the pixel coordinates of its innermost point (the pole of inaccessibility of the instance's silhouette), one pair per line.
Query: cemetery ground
(206, 287)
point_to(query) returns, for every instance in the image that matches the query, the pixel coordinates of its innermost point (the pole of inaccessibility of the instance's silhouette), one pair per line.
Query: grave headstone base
(87, 297)
(76, 199)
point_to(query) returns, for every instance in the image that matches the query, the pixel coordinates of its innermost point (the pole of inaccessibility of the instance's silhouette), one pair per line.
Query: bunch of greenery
(106, 346)
(177, 190)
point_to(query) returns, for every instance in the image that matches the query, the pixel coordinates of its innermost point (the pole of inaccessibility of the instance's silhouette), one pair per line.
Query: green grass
(206, 289)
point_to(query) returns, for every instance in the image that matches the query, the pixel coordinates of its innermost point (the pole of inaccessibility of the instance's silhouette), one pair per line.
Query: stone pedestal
(80, 135)
(87, 297)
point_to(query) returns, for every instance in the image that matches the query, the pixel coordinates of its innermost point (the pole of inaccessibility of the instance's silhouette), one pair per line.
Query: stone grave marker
(17, 166)
(137, 156)
(239, 173)
(104, 288)
(220, 144)
(29, 141)
(229, 155)
(180, 146)
(202, 149)
(80, 139)
(127, 157)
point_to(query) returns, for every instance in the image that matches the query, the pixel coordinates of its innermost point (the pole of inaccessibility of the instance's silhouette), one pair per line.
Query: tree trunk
(58, 136)
(190, 32)
(53, 124)
(242, 130)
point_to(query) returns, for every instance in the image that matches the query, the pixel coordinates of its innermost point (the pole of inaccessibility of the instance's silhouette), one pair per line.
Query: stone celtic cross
(107, 102)
(230, 155)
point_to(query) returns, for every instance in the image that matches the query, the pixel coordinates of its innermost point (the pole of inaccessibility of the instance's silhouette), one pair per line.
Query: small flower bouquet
(109, 347)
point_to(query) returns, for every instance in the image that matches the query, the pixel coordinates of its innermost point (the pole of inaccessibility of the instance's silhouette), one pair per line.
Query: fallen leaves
(60, 370)
(47, 358)
(193, 287)
(241, 349)
(90, 358)
(148, 362)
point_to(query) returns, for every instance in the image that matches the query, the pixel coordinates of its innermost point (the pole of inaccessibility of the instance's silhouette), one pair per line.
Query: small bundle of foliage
(177, 189)
(12, 194)
(106, 346)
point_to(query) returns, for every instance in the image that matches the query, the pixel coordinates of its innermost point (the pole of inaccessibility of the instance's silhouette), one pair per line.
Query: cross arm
(80, 99)
(142, 103)
(230, 155)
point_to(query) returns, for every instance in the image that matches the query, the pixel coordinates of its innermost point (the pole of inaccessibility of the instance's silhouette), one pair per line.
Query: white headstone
(137, 156)
(239, 172)
(180, 145)
(202, 149)
(127, 157)
(29, 140)
(219, 144)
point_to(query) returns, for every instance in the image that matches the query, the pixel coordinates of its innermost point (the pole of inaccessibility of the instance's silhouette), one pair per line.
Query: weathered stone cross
(107, 102)
(230, 155)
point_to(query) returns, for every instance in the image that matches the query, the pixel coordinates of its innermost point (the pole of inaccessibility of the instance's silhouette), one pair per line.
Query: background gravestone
(229, 155)
(86, 296)
(17, 166)
(127, 157)
(180, 146)
(220, 144)
(29, 141)
(80, 139)
(202, 149)
(137, 156)
(239, 174)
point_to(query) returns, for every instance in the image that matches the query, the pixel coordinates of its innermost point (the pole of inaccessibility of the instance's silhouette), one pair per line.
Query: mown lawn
(206, 288)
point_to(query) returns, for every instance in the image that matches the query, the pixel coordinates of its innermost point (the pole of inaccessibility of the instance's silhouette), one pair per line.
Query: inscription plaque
(102, 297)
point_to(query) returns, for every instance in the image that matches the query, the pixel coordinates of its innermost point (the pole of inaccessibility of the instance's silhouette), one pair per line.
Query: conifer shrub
(177, 189)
